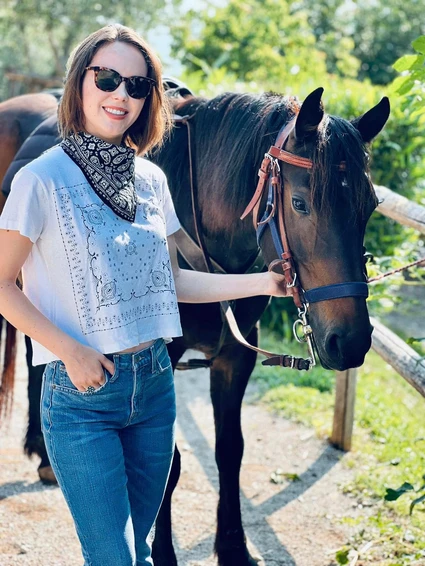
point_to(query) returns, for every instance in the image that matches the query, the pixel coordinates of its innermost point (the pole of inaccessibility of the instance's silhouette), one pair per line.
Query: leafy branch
(412, 81)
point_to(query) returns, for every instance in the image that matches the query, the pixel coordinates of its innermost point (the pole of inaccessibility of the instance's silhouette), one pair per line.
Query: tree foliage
(374, 34)
(252, 39)
(255, 37)
(38, 35)
(383, 31)
(328, 20)
(411, 85)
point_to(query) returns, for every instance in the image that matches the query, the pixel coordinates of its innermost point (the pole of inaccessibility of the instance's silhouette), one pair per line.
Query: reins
(270, 176)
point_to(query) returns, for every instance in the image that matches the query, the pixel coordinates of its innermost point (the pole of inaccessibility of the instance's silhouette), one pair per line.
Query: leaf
(418, 65)
(415, 502)
(407, 85)
(394, 494)
(419, 44)
(278, 476)
(412, 340)
(405, 63)
(342, 556)
(292, 477)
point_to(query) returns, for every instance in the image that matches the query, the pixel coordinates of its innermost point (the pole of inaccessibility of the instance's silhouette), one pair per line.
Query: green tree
(383, 32)
(327, 19)
(38, 35)
(363, 38)
(254, 40)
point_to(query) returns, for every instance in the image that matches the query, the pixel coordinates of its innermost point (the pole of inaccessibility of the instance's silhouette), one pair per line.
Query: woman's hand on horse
(85, 367)
(277, 285)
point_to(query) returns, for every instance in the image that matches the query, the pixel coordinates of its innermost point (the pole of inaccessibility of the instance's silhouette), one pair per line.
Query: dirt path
(292, 523)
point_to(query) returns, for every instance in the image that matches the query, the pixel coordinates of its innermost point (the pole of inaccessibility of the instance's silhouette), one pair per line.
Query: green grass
(388, 445)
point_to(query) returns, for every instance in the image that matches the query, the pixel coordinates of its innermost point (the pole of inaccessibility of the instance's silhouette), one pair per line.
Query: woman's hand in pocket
(85, 367)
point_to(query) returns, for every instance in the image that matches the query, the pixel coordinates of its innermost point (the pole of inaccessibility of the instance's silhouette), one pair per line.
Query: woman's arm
(199, 287)
(81, 362)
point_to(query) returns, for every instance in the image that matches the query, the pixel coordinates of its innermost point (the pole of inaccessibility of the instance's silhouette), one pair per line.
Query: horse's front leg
(229, 376)
(162, 549)
(34, 441)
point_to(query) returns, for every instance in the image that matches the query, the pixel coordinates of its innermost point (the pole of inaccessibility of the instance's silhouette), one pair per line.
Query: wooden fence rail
(388, 345)
(401, 209)
(408, 363)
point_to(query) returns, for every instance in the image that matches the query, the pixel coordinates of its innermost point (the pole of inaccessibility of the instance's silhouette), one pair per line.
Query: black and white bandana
(109, 169)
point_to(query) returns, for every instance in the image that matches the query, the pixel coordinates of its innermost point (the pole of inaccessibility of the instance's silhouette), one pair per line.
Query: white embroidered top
(103, 280)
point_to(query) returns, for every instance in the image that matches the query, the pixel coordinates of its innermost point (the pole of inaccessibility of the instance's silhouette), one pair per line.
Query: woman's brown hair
(154, 120)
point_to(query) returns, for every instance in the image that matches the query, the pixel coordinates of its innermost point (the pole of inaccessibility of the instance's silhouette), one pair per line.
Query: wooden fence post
(345, 396)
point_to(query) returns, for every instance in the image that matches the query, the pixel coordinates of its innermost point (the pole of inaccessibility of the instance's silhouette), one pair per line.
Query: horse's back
(44, 137)
(19, 116)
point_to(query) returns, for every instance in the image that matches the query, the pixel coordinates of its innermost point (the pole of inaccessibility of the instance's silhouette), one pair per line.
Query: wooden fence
(388, 345)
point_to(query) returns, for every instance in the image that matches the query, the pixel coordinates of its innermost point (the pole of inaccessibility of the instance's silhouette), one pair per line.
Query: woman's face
(108, 115)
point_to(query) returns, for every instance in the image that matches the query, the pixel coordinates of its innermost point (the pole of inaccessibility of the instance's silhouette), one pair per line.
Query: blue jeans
(111, 451)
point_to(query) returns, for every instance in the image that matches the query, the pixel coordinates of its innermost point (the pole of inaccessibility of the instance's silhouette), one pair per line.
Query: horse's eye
(299, 205)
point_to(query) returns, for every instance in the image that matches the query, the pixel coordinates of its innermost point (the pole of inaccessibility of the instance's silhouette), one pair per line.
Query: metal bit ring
(90, 389)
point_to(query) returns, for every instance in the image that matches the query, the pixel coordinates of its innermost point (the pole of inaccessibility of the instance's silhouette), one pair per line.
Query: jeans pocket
(111, 377)
(46, 396)
(63, 382)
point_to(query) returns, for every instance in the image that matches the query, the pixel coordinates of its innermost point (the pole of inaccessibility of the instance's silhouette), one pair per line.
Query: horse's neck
(235, 251)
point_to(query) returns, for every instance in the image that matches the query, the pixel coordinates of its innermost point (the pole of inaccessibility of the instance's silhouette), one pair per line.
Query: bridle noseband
(273, 217)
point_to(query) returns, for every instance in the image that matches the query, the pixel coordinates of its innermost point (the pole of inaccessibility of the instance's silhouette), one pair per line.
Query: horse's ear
(372, 122)
(310, 115)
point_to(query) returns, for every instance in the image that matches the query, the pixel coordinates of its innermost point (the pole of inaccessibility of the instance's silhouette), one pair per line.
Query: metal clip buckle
(297, 336)
(307, 334)
(294, 282)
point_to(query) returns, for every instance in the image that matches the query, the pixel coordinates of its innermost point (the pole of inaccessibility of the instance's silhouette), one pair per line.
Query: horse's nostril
(332, 345)
(344, 350)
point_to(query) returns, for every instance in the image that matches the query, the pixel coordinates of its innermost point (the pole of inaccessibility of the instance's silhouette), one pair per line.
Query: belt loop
(153, 357)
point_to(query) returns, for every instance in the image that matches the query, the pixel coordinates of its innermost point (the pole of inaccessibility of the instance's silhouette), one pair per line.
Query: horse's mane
(233, 131)
(339, 141)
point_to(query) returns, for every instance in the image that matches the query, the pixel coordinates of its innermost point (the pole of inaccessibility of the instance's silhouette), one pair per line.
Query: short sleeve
(171, 220)
(25, 208)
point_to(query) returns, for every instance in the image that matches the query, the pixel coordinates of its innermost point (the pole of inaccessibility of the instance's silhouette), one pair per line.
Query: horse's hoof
(47, 476)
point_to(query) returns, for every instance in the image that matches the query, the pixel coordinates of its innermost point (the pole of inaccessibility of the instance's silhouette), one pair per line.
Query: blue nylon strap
(276, 237)
(271, 223)
(260, 230)
(337, 291)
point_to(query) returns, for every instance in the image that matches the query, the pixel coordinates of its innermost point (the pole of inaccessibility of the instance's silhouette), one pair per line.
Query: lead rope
(398, 270)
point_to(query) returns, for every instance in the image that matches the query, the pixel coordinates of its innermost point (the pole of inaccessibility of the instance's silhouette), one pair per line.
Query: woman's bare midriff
(141, 346)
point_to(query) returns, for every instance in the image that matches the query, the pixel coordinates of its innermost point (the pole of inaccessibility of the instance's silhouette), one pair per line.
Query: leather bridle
(273, 218)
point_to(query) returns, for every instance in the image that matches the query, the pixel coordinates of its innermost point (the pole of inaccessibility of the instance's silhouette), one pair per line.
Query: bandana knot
(109, 169)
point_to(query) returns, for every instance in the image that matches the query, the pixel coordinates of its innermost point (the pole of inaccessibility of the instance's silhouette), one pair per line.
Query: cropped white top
(103, 280)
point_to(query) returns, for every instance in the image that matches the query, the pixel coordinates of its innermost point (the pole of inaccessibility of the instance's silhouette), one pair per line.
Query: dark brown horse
(326, 208)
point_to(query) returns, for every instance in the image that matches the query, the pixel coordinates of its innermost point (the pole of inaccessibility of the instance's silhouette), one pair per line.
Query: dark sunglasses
(109, 80)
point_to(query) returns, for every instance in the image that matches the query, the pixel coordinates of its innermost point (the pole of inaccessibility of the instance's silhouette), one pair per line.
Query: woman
(92, 226)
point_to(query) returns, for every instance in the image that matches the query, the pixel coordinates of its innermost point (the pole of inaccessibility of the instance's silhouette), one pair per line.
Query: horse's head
(326, 209)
